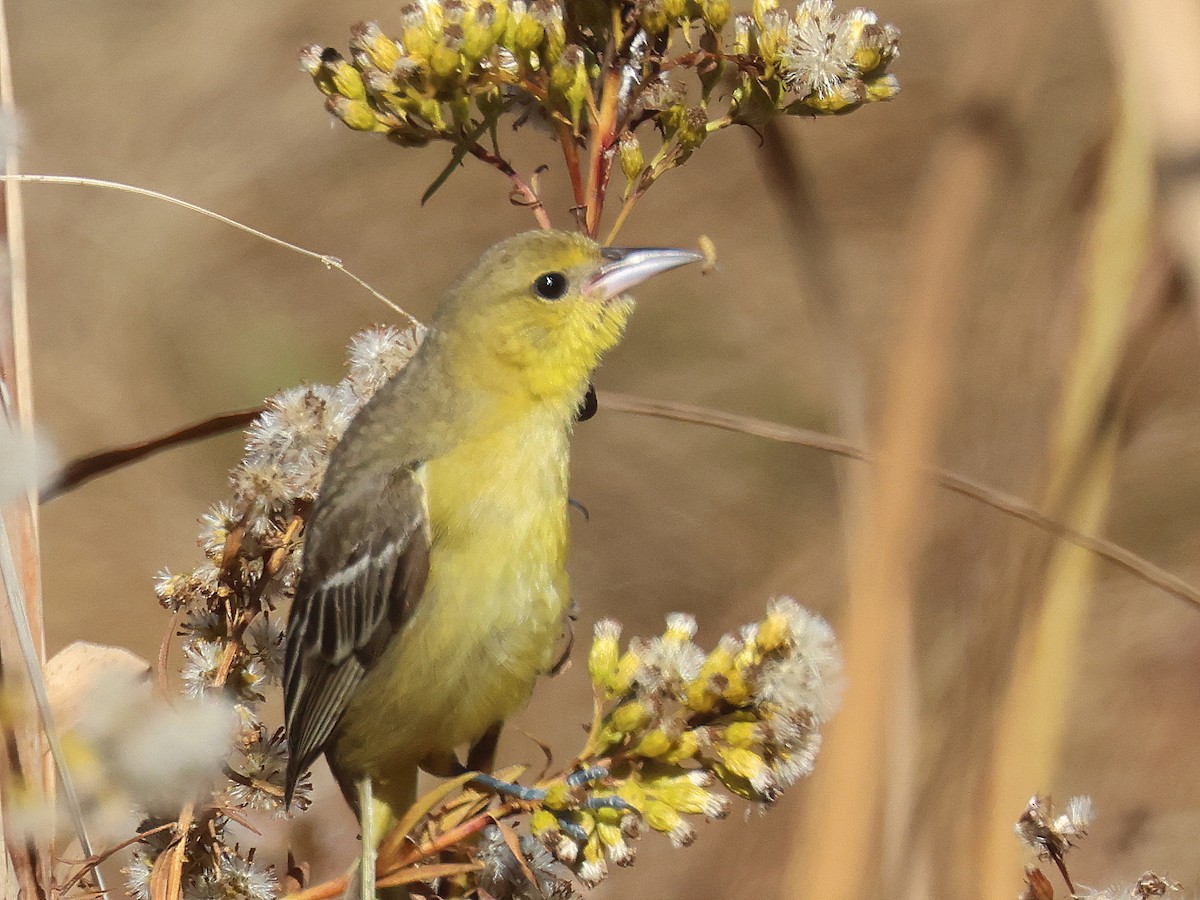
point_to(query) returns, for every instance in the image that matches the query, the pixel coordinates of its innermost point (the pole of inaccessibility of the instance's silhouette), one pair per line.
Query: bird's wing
(363, 573)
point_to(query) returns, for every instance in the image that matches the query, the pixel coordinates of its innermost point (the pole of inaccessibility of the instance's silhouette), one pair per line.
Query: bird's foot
(558, 798)
(562, 800)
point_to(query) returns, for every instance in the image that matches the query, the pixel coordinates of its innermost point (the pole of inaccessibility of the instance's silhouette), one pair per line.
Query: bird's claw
(586, 776)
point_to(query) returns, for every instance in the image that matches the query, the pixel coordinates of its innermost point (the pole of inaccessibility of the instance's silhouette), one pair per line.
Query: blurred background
(990, 274)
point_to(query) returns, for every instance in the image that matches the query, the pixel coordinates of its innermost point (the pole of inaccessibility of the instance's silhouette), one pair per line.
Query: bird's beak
(625, 268)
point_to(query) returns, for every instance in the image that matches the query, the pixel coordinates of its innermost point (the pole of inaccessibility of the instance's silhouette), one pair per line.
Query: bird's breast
(488, 620)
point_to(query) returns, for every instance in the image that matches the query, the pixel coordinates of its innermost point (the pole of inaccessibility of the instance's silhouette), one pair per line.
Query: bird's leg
(366, 866)
(576, 779)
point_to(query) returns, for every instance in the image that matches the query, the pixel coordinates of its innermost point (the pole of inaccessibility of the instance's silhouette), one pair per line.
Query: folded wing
(366, 557)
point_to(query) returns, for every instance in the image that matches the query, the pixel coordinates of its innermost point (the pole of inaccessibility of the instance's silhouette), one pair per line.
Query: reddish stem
(523, 194)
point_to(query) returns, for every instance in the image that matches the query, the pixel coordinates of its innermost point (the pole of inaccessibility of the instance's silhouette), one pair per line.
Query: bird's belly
(468, 657)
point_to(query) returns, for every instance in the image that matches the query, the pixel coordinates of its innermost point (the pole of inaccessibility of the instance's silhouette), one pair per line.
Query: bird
(433, 582)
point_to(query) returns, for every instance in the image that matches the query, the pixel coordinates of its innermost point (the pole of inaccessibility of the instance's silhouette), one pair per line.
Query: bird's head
(538, 310)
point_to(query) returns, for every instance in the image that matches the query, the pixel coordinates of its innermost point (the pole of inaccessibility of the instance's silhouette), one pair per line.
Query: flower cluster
(812, 59)
(671, 725)
(232, 641)
(595, 73)
(673, 722)
(1052, 835)
(1049, 834)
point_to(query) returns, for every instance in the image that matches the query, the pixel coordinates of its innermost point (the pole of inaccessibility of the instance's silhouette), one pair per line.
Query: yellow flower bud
(743, 734)
(527, 33)
(759, 8)
(772, 34)
(842, 97)
(674, 9)
(559, 796)
(613, 839)
(667, 820)
(773, 633)
(627, 668)
(715, 13)
(604, 653)
(444, 58)
(685, 747)
(577, 92)
(357, 114)
(500, 20)
(543, 824)
(431, 111)
(749, 765)
(382, 52)
(342, 77)
(311, 61)
(689, 794)
(655, 742)
(479, 32)
(632, 161)
(593, 869)
(885, 87)
(632, 793)
(417, 33)
(741, 34)
(631, 716)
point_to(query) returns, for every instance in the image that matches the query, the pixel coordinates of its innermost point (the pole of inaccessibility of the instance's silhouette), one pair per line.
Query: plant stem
(571, 157)
(604, 134)
(523, 194)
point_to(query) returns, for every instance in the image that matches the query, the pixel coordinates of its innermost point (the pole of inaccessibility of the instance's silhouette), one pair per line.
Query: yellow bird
(434, 574)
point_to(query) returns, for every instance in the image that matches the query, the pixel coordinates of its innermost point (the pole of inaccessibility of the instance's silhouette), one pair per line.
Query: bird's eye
(550, 286)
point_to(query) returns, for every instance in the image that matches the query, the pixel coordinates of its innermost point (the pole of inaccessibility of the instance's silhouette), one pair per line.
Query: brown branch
(98, 464)
(89, 864)
(959, 484)
(523, 194)
(85, 468)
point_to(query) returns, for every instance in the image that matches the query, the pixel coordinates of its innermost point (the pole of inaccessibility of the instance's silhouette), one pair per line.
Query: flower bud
(594, 869)
(627, 669)
(885, 87)
(749, 765)
(558, 796)
(604, 653)
(674, 10)
(527, 32)
(568, 80)
(655, 742)
(759, 8)
(686, 747)
(715, 13)
(689, 794)
(416, 34)
(743, 734)
(666, 820)
(543, 824)
(773, 632)
(444, 59)
(479, 32)
(630, 151)
(631, 716)
(357, 114)
(369, 39)
(652, 16)
(741, 34)
(613, 840)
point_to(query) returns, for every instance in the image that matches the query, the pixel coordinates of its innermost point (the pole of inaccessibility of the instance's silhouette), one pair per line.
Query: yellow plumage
(434, 579)
(498, 521)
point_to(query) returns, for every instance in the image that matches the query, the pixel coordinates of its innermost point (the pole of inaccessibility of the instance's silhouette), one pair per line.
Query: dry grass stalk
(1083, 455)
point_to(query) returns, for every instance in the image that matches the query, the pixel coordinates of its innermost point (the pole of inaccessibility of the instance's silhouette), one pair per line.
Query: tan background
(146, 317)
